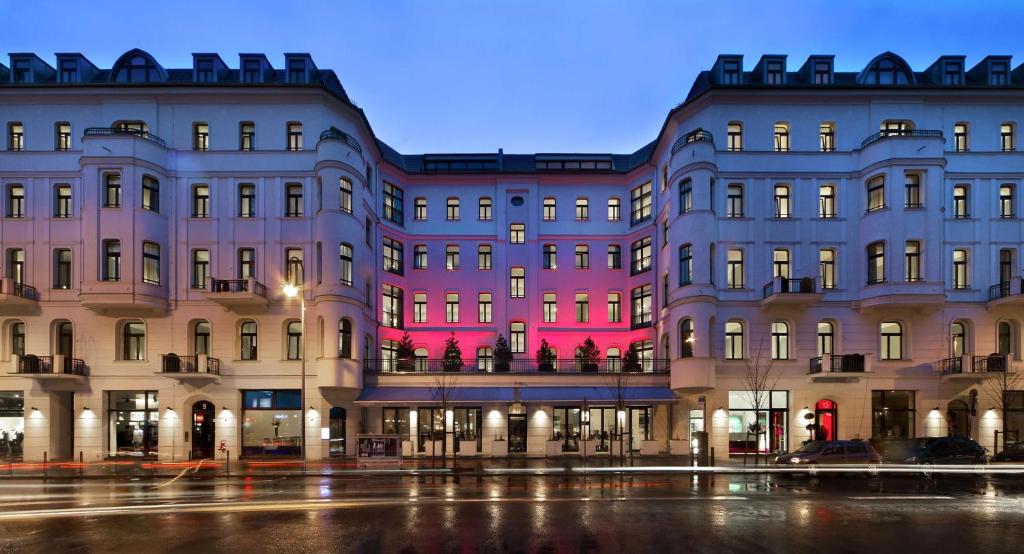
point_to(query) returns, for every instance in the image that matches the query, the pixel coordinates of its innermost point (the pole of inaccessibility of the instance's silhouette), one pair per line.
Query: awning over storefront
(546, 395)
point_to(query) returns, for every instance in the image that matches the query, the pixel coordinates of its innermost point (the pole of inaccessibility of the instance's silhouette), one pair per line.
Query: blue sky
(527, 76)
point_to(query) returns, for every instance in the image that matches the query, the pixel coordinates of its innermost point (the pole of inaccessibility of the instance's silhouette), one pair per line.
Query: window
(826, 338)
(247, 340)
(517, 233)
(345, 260)
(1004, 337)
(999, 73)
(641, 310)
(912, 261)
(293, 200)
(827, 135)
(345, 339)
(781, 135)
(582, 256)
(246, 136)
(62, 268)
(582, 307)
(614, 256)
(731, 72)
(912, 188)
(951, 73)
(876, 262)
(483, 257)
(246, 263)
(111, 260)
(960, 205)
(550, 256)
(517, 337)
(640, 254)
(640, 204)
(886, 71)
(1006, 266)
(451, 257)
(293, 345)
(419, 307)
(822, 73)
(892, 414)
(201, 338)
(517, 282)
(583, 209)
(734, 201)
(151, 263)
(782, 204)
(453, 209)
(393, 203)
(15, 137)
(293, 266)
(780, 340)
(484, 209)
(150, 194)
(826, 201)
(614, 209)
(734, 137)
(614, 307)
(734, 268)
(68, 70)
(419, 256)
(773, 73)
(876, 193)
(112, 190)
(392, 306)
(958, 339)
(1006, 141)
(62, 201)
(200, 136)
(62, 136)
(549, 209)
(686, 338)
(827, 268)
(246, 200)
(892, 340)
(960, 269)
(294, 139)
(484, 359)
(368, 231)
(201, 201)
(451, 307)
(685, 265)
(200, 268)
(133, 341)
(685, 196)
(733, 340)
(960, 137)
(419, 212)
(780, 263)
(345, 195)
(483, 307)
(15, 201)
(550, 307)
(392, 251)
(1006, 200)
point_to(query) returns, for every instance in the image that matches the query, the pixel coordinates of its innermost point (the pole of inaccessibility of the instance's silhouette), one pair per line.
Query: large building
(849, 239)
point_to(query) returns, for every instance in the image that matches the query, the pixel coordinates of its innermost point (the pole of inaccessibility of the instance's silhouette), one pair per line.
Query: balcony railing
(569, 365)
(1005, 289)
(838, 363)
(173, 363)
(993, 363)
(117, 131)
(339, 135)
(237, 285)
(699, 135)
(900, 133)
(786, 286)
(20, 290)
(34, 365)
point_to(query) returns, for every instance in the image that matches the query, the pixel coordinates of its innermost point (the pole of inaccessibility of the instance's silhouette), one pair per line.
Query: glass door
(203, 430)
(336, 429)
(517, 433)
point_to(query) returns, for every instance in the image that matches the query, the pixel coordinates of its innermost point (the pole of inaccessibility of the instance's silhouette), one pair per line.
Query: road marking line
(897, 497)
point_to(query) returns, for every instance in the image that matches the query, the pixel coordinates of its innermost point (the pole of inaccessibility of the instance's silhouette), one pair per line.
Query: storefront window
(892, 414)
(271, 422)
(467, 424)
(12, 424)
(764, 432)
(603, 429)
(1013, 417)
(431, 427)
(134, 421)
(396, 422)
(639, 426)
(696, 422)
(566, 428)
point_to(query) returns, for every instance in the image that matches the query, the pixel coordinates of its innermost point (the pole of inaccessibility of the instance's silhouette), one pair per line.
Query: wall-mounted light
(34, 409)
(86, 409)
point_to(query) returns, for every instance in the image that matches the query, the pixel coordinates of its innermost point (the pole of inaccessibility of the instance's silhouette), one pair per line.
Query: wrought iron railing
(237, 285)
(786, 285)
(32, 364)
(993, 363)
(899, 133)
(838, 363)
(699, 135)
(173, 363)
(567, 365)
(118, 131)
(1006, 288)
(20, 290)
(339, 135)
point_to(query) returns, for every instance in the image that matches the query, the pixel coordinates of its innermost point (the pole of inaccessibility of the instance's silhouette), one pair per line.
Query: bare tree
(618, 383)
(759, 380)
(445, 390)
(996, 386)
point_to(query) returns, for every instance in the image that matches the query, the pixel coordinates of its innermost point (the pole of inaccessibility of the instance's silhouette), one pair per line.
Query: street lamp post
(291, 291)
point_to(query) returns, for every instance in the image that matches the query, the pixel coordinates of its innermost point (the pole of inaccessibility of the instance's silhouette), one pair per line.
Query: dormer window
(887, 69)
(731, 72)
(952, 74)
(999, 73)
(68, 71)
(136, 66)
(773, 73)
(297, 71)
(21, 71)
(822, 73)
(204, 71)
(251, 71)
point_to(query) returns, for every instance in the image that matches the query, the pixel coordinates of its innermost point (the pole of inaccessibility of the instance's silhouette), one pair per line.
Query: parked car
(936, 450)
(831, 452)
(1012, 453)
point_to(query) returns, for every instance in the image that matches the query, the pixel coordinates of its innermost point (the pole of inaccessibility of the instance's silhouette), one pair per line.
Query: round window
(517, 200)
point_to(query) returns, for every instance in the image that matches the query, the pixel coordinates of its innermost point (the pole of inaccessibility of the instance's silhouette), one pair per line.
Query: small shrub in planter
(588, 356)
(502, 355)
(406, 353)
(631, 360)
(545, 357)
(452, 355)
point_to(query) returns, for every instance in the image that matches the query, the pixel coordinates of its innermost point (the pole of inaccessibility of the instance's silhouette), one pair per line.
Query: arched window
(613, 359)
(733, 340)
(780, 340)
(133, 340)
(887, 69)
(891, 333)
(876, 262)
(345, 339)
(247, 340)
(421, 355)
(294, 340)
(957, 339)
(64, 339)
(137, 66)
(484, 359)
(201, 338)
(17, 338)
(686, 338)
(826, 338)
(1005, 341)
(345, 261)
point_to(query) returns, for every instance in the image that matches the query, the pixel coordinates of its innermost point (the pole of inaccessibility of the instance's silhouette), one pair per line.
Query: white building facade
(854, 235)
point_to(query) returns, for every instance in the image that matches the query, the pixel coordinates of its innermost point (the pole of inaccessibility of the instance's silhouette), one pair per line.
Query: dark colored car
(935, 450)
(1012, 453)
(831, 452)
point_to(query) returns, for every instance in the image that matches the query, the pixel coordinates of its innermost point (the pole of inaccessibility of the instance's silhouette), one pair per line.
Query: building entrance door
(826, 420)
(958, 414)
(203, 430)
(62, 425)
(336, 446)
(517, 433)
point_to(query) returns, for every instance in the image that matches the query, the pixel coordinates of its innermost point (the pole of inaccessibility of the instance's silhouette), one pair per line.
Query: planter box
(433, 448)
(588, 368)
(499, 449)
(553, 448)
(546, 368)
(589, 448)
(651, 448)
(467, 448)
(501, 367)
(679, 447)
(407, 449)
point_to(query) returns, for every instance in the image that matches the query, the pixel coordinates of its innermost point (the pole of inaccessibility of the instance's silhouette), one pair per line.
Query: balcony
(479, 367)
(785, 292)
(923, 296)
(693, 374)
(842, 368)
(196, 370)
(699, 135)
(341, 136)
(123, 132)
(124, 298)
(238, 295)
(889, 133)
(974, 368)
(1007, 293)
(17, 298)
(50, 368)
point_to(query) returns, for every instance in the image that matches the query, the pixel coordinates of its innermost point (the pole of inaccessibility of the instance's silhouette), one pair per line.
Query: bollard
(44, 464)
(81, 463)
(227, 462)
(712, 455)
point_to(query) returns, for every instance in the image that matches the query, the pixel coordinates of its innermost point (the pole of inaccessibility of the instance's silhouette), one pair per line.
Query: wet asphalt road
(518, 513)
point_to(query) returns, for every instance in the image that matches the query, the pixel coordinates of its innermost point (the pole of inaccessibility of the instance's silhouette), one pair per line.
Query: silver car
(831, 452)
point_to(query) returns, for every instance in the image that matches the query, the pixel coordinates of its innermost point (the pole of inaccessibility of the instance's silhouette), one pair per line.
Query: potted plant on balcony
(545, 357)
(502, 355)
(452, 355)
(588, 356)
(406, 353)
(631, 360)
